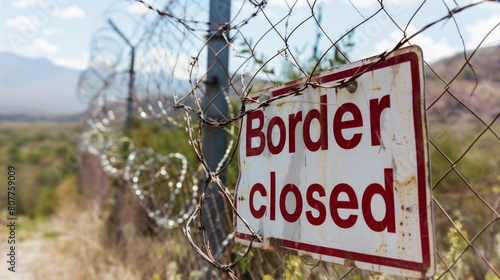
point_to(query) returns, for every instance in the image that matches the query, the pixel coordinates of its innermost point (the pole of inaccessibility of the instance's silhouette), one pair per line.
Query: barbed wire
(171, 83)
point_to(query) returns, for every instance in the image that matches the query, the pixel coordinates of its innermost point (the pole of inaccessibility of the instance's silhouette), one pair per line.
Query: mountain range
(460, 92)
(37, 87)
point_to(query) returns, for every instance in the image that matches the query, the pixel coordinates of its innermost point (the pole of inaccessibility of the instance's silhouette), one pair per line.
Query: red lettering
(316, 191)
(376, 109)
(335, 204)
(273, 196)
(310, 144)
(276, 121)
(293, 120)
(339, 125)
(322, 117)
(324, 122)
(291, 217)
(389, 220)
(316, 204)
(262, 209)
(255, 132)
(276, 146)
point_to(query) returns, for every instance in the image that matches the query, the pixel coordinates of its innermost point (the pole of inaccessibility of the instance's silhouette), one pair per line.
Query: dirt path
(34, 256)
(29, 254)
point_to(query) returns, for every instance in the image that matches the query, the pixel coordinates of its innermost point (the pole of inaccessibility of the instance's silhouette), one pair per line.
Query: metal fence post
(214, 138)
(130, 99)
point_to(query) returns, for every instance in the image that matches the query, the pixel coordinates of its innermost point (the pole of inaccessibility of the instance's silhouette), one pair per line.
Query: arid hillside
(475, 87)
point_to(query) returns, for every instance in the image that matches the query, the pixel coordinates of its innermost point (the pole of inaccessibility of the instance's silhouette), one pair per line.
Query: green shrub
(34, 157)
(14, 154)
(47, 202)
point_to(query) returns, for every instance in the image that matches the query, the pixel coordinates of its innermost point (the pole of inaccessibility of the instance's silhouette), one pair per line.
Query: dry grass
(80, 252)
(75, 245)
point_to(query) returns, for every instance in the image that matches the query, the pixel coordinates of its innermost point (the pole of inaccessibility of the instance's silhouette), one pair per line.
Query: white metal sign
(343, 177)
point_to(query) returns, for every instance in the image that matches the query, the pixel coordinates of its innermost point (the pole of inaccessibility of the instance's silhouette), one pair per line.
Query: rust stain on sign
(349, 261)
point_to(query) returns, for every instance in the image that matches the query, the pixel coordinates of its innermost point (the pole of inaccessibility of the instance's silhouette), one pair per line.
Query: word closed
(342, 176)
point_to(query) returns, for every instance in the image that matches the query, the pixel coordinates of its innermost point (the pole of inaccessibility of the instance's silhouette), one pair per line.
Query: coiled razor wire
(115, 154)
(165, 184)
(91, 141)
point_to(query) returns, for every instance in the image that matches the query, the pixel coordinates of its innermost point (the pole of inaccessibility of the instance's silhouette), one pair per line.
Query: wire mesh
(159, 192)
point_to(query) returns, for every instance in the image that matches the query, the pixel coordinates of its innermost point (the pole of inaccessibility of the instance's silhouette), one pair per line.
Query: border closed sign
(343, 175)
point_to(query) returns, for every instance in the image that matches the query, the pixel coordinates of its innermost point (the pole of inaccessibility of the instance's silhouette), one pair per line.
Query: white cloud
(71, 12)
(433, 50)
(100, 60)
(478, 30)
(51, 31)
(24, 3)
(20, 22)
(74, 63)
(137, 8)
(40, 44)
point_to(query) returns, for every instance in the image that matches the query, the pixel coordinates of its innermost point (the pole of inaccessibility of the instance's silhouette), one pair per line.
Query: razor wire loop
(113, 159)
(138, 169)
(159, 200)
(91, 141)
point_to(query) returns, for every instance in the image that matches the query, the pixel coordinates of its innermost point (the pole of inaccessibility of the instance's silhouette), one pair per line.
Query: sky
(61, 30)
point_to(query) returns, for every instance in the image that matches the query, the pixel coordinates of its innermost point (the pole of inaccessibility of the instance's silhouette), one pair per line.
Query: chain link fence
(164, 173)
